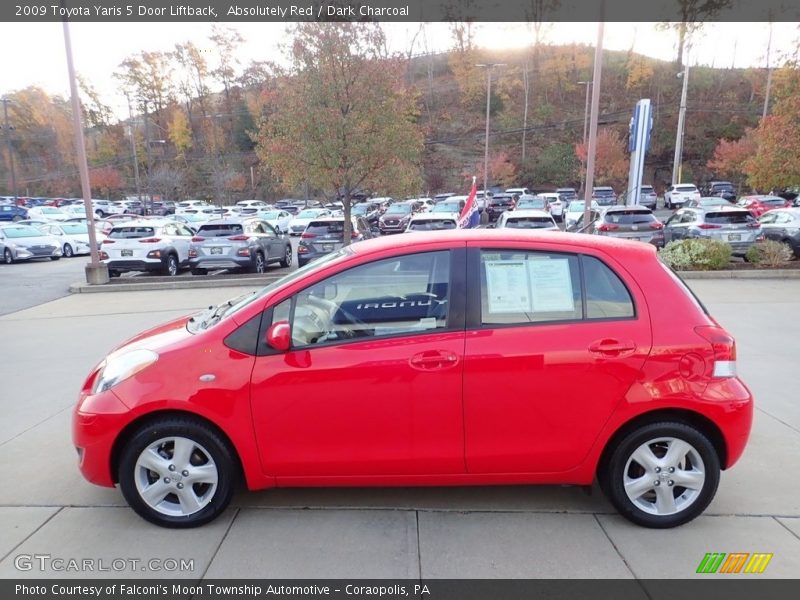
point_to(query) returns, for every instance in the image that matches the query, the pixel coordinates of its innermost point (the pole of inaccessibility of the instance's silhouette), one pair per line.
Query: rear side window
(729, 218)
(220, 230)
(122, 233)
(606, 295)
(629, 217)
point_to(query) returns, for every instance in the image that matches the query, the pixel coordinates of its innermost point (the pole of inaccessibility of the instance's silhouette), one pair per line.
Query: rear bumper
(124, 266)
(215, 262)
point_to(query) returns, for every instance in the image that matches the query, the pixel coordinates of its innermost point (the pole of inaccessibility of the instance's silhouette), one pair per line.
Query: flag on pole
(469, 216)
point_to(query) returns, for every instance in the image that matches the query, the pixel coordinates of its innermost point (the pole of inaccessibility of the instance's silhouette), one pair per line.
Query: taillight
(153, 240)
(724, 348)
(709, 226)
(656, 225)
(198, 238)
(607, 227)
(108, 241)
(193, 253)
(308, 236)
(754, 225)
(239, 238)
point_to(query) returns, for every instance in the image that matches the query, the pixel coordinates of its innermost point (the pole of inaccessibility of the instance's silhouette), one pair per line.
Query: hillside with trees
(209, 131)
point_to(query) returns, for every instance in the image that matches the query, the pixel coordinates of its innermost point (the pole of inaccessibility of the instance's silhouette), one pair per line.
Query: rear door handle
(433, 359)
(612, 347)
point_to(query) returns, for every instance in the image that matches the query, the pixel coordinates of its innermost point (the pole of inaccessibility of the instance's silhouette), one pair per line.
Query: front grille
(41, 250)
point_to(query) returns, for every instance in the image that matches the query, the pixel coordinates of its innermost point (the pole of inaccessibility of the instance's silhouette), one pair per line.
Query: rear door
(548, 356)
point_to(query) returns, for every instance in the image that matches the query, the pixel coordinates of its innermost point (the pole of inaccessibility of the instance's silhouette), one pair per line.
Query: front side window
(402, 295)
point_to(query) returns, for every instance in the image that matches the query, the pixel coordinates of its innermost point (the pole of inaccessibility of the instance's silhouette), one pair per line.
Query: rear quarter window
(606, 294)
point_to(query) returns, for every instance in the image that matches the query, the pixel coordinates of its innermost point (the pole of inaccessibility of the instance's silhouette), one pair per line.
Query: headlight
(121, 367)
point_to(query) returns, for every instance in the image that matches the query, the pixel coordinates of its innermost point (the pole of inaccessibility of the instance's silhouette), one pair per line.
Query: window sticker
(551, 285)
(508, 286)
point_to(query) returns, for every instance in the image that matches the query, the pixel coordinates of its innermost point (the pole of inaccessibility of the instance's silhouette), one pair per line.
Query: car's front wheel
(171, 266)
(177, 472)
(8, 258)
(68, 251)
(661, 475)
(287, 257)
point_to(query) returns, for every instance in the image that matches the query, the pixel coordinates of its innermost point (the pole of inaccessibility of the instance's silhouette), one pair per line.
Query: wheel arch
(130, 429)
(688, 417)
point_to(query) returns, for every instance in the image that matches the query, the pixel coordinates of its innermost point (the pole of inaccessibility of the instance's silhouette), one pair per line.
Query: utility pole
(5, 102)
(590, 155)
(588, 85)
(133, 148)
(488, 67)
(149, 162)
(96, 271)
(769, 75)
(676, 163)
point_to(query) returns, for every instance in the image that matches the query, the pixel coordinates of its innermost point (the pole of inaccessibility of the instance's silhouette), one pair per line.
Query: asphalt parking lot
(46, 508)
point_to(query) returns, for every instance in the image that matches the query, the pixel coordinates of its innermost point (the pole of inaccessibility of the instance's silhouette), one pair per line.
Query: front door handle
(611, 347)
(433, 359)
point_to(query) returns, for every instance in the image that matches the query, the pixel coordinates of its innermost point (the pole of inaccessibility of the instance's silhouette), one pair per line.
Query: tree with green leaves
(344, 119)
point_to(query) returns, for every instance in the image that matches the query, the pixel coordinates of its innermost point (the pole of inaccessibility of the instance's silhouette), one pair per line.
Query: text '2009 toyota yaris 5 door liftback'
(470, 357)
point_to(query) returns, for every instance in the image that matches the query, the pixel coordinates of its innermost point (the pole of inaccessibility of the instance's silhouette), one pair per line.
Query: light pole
(590, 154)
(488, 67)
(588, 85)
(133, 148)
(5, 102)
(676, 163)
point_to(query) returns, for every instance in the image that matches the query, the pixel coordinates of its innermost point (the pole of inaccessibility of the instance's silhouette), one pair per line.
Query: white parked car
(47, 213)
(678, 195)
(520, 191)
(74, 237)
(432, 222)
(299, 223)
(527, 219)
(279, 219)
(575, 210)
(154, 245)
(556, 204)
(103, 208)
(251, 207)
(23, 242)
(191, 206)
(427, 203)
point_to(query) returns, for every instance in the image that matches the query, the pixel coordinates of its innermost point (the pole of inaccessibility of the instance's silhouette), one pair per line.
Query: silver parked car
(238, 243)
(783, 225)
(23, 242)
(629, 223)
(735, 226)
(648, 197)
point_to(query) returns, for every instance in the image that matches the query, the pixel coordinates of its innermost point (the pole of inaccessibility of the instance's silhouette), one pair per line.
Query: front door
(372, 382)
(547, 357)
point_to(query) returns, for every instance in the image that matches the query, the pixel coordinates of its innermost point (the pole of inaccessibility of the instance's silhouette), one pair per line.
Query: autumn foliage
(611, 157)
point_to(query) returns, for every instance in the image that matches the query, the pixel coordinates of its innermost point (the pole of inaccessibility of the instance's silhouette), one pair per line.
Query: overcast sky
(34, 52)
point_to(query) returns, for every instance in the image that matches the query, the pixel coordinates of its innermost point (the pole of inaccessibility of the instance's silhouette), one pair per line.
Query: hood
(159, 338)
(38, 240)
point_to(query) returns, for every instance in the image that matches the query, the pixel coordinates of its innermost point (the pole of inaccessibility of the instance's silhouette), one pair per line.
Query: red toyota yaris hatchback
(472, 357)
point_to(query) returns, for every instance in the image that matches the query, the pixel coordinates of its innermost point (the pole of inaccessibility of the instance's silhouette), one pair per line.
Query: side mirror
(279, 336)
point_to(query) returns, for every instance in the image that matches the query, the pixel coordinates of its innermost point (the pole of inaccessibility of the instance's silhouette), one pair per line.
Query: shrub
(701, 254)
(769, 253)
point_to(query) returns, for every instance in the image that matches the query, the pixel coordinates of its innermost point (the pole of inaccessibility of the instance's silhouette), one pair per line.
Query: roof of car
(139, 222)
(231, 220)
(624, 207)
(432, 216)
(526, 212)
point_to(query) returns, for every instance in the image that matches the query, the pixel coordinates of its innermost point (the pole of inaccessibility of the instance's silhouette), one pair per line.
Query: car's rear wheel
(287, 257)
(177, 472)
(8, 258)
(55, 257)
(68, 251)
(661, 475)
(259, 264)
(113, 273)
(171, 266)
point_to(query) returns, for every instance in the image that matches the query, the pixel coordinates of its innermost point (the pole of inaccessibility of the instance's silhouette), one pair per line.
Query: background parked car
(736, 226)
(567, 194)
(575, 210)
(396, 217)
(48, 213)
(74, 237)
(648, 197)
(23, 242)
(161, 208)
(150, 245)
(630, 223)
(300, 221)
(238, 243)
(678, 195)
(604, 195)
(708, 202)
(783, 225)
(555, 205)
(498, 204)
(12, 213)
(104, 208)
(430, 221)
(721, 189)
(452, 205)
(371, 211)
(527, 219)
(326, 235)
(758, 205)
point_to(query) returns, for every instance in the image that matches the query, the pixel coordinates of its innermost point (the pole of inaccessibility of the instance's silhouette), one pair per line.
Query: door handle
(612, 347)
(433, 359)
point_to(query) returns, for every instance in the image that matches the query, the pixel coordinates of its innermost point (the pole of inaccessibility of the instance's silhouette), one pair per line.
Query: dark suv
(326, 235)
(721, 189)
(371, 211)
(498, 204)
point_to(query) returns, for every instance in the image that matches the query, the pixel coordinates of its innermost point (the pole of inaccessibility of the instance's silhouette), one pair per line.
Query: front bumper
(96, 422)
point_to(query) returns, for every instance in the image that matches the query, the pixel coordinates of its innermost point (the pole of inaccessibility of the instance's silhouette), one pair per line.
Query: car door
(181, 239)
(554, 341)
(770, 226)
(372, 382)
(274, 243)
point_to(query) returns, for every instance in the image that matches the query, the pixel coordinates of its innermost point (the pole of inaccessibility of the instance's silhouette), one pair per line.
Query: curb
(170, 283)
(754, 274)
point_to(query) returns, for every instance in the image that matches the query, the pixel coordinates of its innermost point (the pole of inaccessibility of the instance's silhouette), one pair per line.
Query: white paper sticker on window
(507, 286)
(551, 285)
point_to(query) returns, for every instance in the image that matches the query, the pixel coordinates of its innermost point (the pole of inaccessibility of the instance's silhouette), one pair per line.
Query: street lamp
(488, 67)
(8, 128)
(588, 85)
(678, 159)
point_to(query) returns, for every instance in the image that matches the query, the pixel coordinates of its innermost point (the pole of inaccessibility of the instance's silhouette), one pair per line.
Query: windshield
(399, 209)
(629, 217)
(432, 225)
(360, 209)
(529, 222)
(309, 213)
(447, 207)
(532, 203)
(271, 215)
(220, 229)
(50, 211)
(75, 228)
(686, 188)
(21, 232)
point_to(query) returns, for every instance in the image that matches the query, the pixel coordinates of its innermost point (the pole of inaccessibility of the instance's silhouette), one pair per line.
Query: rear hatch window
(629, 217)
(501, 201)
(686, 188)
(432, 225)
(220, 230)
(328, 229)
(529, 222)
(125, 233)
(730, 217)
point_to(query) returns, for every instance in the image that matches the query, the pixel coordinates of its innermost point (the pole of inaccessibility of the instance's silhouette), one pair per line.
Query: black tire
(259, 264)
(55, 258)
(99, 214)
(612, 473)
(287, 257)
(171, 265)
(209, 448)
(113, 273)
(199, 272)
(68, 253)
(8, 258)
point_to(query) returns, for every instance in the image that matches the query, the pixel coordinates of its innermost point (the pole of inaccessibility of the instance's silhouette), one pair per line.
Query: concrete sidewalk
(46, 508)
